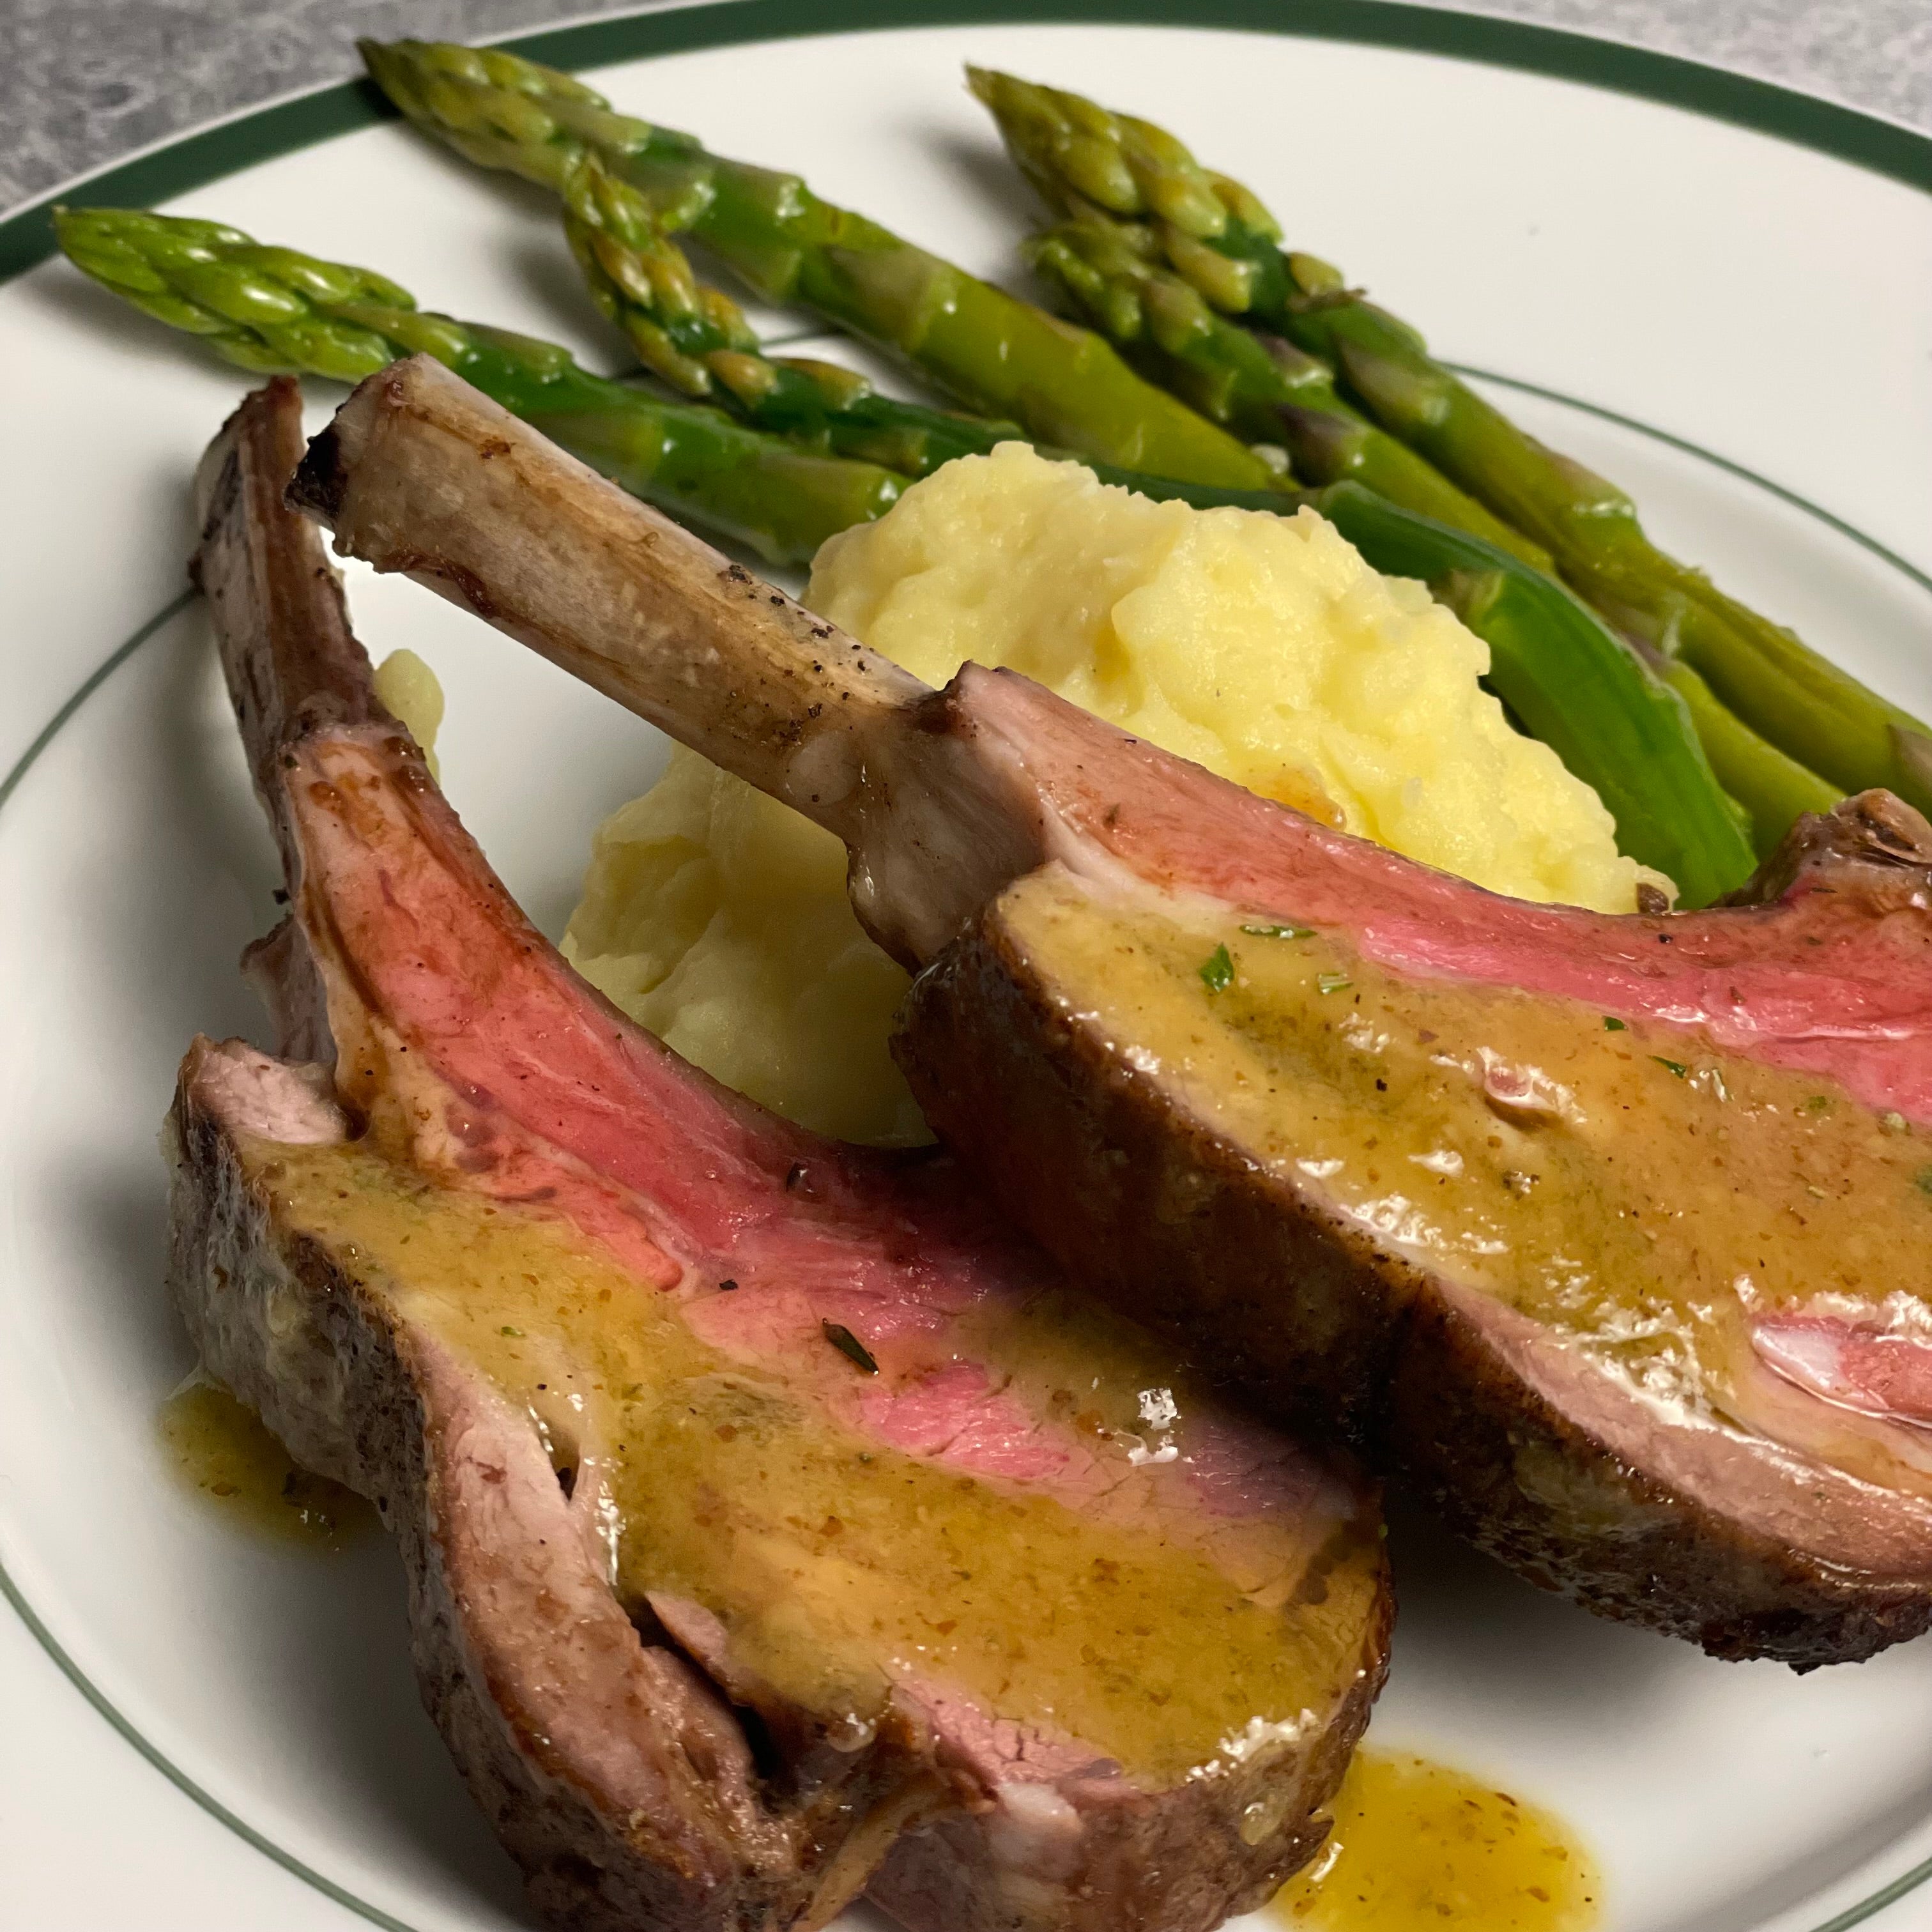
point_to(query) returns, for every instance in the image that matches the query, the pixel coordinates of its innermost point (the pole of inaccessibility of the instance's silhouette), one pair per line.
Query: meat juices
(778, 1525)
(1683, 1425)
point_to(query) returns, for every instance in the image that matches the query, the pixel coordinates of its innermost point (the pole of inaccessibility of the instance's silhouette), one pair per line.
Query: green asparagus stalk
(989, 351)
(271, 309)
(1113, 273)
(627, 262)
(1621, 717)
(1773, 789)
(697, 339)
(1216, 235)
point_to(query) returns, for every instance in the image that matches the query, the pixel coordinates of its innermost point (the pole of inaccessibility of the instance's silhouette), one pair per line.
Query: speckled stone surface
(84, 82)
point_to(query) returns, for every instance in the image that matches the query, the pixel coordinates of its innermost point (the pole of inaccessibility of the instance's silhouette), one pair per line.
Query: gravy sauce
(838, 1566)
(221, 1447)
(1418, 1847)
(1622, 1182)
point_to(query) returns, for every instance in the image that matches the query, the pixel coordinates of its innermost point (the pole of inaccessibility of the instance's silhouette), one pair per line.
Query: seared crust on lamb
(614, 1772)
(632, 1755)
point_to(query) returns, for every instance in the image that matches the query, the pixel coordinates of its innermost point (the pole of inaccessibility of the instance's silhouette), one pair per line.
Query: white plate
(1755, 312)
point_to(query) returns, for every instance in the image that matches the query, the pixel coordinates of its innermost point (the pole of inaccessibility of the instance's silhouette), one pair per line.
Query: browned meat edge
(1302, 1313)
(374, 1404)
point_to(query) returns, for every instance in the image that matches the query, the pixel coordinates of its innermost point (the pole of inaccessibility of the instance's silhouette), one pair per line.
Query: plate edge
(264, 132)
(1854, 135)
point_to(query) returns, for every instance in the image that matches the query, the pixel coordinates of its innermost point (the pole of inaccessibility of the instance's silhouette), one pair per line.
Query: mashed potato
(407, 688)
(1261, 647)
(717, 918)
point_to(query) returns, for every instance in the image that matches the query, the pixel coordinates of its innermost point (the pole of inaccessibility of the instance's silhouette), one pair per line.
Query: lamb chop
(1609, 1236)
(777, 1523)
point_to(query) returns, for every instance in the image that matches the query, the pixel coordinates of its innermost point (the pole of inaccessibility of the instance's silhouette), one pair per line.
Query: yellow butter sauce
(1622, 1182)
(222, 1448)
(836, 1564)
(1418, 1847)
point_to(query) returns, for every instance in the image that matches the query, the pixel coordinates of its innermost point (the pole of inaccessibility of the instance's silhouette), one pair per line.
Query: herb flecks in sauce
(836, 1563)
(1515, 1143)
(1416, 1847)
(847, 1344)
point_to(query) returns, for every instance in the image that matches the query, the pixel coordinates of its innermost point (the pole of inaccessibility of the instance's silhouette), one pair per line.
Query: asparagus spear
(688, 333)
(988, 350)
(271, 309)
(1773, 789)
(1217, 236)
(1114, 272)
(697, 339)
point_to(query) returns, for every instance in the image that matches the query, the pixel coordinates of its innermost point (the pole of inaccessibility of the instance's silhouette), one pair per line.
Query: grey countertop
(84, 82)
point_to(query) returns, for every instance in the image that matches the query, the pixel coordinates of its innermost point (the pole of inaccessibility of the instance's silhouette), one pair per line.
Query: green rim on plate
(260, 134)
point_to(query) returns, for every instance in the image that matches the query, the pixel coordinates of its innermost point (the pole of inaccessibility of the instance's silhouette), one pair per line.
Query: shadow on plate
(78, 306)
(1508, 1642)
(985, 172)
